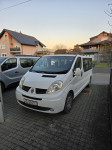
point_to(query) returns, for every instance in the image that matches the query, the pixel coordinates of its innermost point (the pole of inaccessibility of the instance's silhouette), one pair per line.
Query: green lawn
(102, 65)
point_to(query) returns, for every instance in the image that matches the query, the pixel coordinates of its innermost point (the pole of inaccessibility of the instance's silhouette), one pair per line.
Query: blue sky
(55, 22)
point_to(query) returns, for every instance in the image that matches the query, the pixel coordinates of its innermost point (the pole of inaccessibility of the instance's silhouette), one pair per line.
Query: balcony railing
(14, 50)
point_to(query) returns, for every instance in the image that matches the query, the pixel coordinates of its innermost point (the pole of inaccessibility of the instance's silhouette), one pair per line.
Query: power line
(15, 5)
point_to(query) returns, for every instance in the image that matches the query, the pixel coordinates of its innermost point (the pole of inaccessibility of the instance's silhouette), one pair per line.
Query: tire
(89, 85)
(2, 86)
(68, 103)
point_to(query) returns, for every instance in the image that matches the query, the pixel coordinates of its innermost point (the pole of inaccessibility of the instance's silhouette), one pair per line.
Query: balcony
(15, 50)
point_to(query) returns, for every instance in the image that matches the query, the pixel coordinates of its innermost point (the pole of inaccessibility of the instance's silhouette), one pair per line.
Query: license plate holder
(27, 101)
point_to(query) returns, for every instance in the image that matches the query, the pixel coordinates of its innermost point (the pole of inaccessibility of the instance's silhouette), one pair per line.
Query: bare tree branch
(111, 9)
(109, 4)
(108, 14)
(109, 23)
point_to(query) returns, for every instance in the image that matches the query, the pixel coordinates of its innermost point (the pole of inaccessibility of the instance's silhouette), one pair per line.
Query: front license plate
(30, 102)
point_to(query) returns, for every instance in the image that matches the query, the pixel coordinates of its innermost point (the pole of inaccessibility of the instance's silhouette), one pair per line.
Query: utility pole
(1, 104)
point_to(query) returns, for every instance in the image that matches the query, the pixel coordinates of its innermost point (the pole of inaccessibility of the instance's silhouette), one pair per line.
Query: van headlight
(54, 87)
(21, 82)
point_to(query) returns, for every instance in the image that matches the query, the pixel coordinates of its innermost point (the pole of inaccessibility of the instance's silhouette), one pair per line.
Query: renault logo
(32, 90)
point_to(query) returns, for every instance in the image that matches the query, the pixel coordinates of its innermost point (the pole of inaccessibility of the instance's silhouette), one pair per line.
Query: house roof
(96, 43)
(22, 38)
(110, 34)
(89, 44)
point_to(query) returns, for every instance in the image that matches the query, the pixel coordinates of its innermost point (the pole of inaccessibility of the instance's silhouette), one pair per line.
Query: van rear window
(87, 64)
(27, 62)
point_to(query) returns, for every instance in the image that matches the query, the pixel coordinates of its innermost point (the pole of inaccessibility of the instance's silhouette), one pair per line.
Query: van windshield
(53, 64)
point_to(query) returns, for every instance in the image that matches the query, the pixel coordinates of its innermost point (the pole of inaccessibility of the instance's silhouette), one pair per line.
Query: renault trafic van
(53, 82)
(13, 68)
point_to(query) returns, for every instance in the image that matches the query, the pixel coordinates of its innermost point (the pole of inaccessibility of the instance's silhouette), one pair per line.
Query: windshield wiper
(46, 72)
(38, 71)
(62, 72)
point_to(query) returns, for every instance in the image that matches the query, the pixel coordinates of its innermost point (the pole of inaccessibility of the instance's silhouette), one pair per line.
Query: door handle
(16, 72)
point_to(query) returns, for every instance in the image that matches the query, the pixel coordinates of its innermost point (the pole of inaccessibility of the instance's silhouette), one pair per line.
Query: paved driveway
(86, 127)
(101, 78)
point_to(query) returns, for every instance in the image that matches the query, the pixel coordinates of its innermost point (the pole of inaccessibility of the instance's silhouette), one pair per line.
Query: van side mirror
(77, 72)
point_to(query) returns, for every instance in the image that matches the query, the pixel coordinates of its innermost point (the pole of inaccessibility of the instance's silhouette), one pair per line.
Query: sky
(56, 22)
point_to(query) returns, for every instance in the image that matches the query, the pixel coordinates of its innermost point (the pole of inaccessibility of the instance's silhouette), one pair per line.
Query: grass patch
(101, 65)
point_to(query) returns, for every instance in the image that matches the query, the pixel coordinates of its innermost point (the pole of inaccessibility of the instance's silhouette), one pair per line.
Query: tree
(60, 51)
(106, 53)
(75, 50)
(107, 49)
(60, 46)
(77, 47)
(109, 12)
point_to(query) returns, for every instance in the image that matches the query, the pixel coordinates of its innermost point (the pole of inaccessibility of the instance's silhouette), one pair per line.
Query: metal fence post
(1, 104)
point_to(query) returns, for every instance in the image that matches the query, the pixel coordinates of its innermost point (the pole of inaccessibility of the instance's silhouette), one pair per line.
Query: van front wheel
(89, 84)
(68, 103)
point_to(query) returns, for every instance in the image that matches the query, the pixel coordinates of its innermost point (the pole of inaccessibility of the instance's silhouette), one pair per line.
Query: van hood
(40, 80)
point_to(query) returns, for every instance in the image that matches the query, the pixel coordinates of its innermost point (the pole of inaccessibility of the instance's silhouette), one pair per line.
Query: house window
(3, 54)
(5, 35)
(2, 46)
(17, 45)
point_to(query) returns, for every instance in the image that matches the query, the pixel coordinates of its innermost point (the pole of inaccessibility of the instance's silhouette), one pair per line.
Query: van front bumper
(48, 103)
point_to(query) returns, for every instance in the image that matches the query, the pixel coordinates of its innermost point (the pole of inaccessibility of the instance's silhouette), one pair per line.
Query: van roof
(60, 55)
(83, 56)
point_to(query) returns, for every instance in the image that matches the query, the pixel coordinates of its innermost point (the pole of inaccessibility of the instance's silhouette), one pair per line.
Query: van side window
(87, 64)
(9, 64)
(26, 62)
(78, 63)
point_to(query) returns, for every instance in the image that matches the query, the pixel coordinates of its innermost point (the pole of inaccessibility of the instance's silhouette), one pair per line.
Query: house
(95, 46)
(44, 51)
(14, 43)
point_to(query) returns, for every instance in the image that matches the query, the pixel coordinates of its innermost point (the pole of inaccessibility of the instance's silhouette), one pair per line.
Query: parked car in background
(53, 82)
(13, 68)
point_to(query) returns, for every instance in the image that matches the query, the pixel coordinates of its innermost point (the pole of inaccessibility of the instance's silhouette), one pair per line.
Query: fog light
(51, 109)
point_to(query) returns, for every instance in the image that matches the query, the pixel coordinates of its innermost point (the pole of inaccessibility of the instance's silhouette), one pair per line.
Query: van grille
(25, 88)
(38, 91)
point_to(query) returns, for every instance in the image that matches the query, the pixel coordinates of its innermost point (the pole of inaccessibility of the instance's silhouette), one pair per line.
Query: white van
(53, 82)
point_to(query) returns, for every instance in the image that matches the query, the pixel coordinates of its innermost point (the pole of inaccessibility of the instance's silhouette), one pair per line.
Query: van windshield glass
(53, 64)
(2, 59)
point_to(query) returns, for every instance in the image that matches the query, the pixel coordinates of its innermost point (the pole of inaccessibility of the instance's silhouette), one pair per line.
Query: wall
(28, 50)
(4, 40)
(9, 42)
